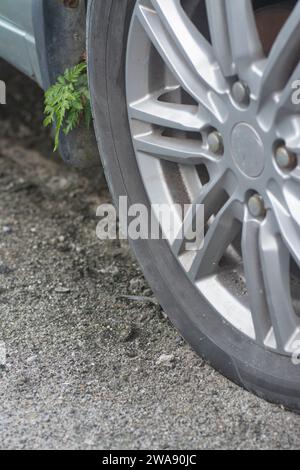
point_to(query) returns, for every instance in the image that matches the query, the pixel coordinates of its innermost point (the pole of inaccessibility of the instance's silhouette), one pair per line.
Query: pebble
(62, 290)
(140, 298)
(110, 270)
(166, 360)
(179, 340)
(31, 359)
(136, 284)
(7, 229)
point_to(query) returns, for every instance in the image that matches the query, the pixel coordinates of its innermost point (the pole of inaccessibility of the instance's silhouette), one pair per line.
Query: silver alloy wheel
(182, 89)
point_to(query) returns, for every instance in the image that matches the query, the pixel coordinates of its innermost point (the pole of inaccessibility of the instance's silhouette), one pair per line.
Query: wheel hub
(247, 150)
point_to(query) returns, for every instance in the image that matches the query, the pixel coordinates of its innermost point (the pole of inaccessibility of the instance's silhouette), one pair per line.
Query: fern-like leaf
(67, 102)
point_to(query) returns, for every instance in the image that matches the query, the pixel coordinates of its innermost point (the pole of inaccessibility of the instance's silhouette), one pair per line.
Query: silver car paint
(17, 41)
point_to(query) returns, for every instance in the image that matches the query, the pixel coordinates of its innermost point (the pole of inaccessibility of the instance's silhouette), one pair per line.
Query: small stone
(140, 299)
(131, 354)
(166, 360)
(7, 229)
(148, 292)
(179, 340)
(31, 359)
(113, 270)
(144, 317)
(136, 285)
(129, 333)
(62, 290)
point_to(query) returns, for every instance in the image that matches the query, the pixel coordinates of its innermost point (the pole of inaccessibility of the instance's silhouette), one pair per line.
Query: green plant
(67, 102)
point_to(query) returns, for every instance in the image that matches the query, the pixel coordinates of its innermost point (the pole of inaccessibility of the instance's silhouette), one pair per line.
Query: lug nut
(241, 93)
(285, 159)
(215, 143)
(256, 206)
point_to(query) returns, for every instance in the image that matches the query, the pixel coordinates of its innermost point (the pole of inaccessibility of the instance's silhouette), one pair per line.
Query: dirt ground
(82, 368)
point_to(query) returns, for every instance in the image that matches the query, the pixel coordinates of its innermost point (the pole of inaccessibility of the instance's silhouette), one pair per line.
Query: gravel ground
(84, 367)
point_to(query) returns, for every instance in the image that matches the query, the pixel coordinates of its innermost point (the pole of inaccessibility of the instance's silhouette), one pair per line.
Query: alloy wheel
(213, 123)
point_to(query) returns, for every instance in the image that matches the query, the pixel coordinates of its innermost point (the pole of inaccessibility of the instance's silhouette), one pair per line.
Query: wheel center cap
(247, 150)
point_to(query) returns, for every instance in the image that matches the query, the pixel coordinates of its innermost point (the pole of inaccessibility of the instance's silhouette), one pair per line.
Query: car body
(18, 36)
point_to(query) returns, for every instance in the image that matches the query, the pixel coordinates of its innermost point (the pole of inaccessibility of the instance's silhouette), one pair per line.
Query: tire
(259, 370)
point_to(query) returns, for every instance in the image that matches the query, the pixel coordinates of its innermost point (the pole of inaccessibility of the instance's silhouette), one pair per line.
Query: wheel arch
(60, 34)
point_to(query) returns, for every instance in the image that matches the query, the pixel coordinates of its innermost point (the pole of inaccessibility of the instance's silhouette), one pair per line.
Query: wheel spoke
(174, 116)
(246, 47)
(172, 149)
(289, 229)
(254, 278)
(191, 43)
(218, 25)
(291, 194)
(275, 260)
(282, 111)
(283, 58)
(288, 129)
(296, 175)
(222, 231)
(194, 73)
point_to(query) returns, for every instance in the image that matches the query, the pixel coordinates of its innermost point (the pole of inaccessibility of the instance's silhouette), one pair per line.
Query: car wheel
(192, 102)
